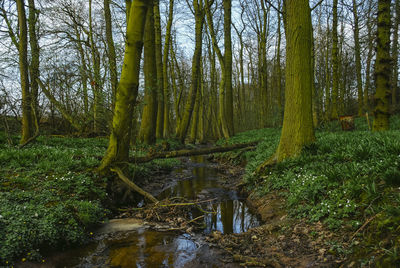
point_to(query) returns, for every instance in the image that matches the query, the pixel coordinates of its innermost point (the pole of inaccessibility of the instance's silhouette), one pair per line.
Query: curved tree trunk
(118, 147)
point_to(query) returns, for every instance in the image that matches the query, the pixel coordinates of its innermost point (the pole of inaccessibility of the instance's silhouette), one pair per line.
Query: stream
(131, 243)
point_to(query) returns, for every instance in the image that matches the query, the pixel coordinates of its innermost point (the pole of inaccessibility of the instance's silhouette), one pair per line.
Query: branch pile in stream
(175, 214)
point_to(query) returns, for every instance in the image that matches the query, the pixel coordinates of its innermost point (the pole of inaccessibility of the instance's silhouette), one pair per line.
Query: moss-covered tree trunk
(335, 62)
(35, 59)
(382, 68)
(357, 52)
(96, 81)
(118, 147)
(298, 129)
(167, 93)
(395, 56)
(147, 133)
(27, 116)
(160, 74)
(112, 58)
(228, 67)
(196, 61)
(370, 54)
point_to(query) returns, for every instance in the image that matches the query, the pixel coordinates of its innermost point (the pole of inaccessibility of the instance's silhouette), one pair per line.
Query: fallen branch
(201, 151)
(363, 226)
(133, 186)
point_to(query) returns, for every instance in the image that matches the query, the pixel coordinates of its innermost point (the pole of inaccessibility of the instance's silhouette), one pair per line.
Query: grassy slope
(344, 180)
(49, 197)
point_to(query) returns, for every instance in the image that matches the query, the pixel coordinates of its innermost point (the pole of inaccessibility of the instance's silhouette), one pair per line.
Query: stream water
(143, 247)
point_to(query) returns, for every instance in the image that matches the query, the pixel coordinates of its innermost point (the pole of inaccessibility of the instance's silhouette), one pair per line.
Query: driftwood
(133, 186)
(201, 151)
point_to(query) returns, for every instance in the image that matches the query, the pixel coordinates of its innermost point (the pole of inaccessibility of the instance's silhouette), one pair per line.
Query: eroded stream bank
(128, 242)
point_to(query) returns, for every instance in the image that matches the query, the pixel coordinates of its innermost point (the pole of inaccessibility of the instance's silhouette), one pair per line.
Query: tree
(196, 61)
(27, 116)
(382, 68)
(167, 94)
(112, 61)
(335, 62)
(147, 133)
(127, 91)
(298, 129)
(395, 56)
(357, 51)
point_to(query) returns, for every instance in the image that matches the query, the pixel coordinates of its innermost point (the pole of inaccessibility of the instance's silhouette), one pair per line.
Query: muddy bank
(280, 241)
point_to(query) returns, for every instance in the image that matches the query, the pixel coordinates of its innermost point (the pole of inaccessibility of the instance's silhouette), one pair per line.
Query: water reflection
(147, 248)
(231, 215)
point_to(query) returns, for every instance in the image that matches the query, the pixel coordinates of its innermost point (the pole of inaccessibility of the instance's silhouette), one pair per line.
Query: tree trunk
(111, 52)
(27, 116)
(118, 147)
(297, 130)
(357, 51)
(148, 126)
(160, 74)
(335, 63)
(395, 56)
(382, 68)
(167, 93)
(196, 61)
(35, 53)
(228, 67)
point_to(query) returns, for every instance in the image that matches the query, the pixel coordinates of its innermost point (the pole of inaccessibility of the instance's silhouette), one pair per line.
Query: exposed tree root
(133, 186)
(201, 151)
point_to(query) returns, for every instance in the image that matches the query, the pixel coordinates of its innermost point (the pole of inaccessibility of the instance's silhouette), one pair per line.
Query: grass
(49, 196)
(344, 180)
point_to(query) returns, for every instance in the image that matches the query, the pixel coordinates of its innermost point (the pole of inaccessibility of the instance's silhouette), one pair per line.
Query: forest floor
(338, 204)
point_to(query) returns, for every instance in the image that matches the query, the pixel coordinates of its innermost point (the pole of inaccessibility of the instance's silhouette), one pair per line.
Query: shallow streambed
(134, 244)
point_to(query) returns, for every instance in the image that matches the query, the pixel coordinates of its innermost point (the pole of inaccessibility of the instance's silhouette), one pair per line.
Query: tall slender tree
(196, 61)
(27, 116)
(335, 62)
(112, 58)
(148, 125)
(382, 68)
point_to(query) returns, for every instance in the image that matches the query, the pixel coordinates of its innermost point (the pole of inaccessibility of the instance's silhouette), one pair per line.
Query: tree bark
(111, 52)
(27, 115)
(298, 129)
(199, 21)
(382, 68)
(148, 125)
(335, 63)
(118, 147)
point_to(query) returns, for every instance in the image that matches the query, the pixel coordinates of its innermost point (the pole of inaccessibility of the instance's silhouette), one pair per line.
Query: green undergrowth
(50, 197)
(348, 180)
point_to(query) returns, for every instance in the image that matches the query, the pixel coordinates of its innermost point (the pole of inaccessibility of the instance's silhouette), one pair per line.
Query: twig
(317, 4)
(195, 219)
(274, 7)
(363, 226)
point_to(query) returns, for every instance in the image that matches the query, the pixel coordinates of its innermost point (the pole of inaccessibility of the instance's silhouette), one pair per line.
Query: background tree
(382, 68)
